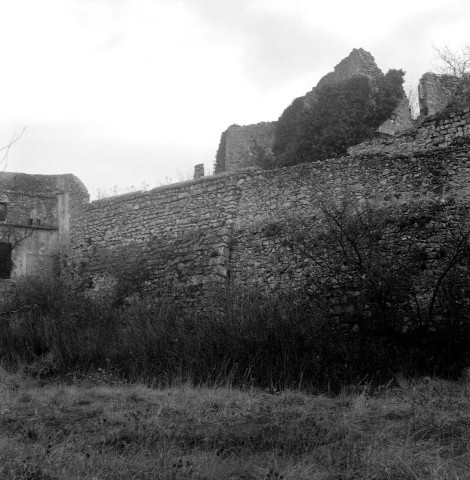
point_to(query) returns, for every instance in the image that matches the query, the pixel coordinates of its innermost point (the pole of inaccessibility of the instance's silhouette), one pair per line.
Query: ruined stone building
(237, 141)
(196, 237)
(35, 212)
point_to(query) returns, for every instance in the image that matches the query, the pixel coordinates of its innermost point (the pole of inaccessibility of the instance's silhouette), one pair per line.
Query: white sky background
(126, 92)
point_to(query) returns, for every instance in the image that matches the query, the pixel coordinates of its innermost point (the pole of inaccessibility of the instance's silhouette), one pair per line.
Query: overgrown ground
(263, 391)
(408, 430)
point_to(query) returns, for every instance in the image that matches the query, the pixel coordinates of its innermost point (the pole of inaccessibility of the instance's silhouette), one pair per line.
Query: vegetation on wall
(461, 98)
(371, 308)
(219, 165)
(394, 265)
(342, 114)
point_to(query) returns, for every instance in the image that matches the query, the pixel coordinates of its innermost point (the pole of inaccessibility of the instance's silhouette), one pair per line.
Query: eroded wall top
(242, 143)
(238, 141)
(435, 92)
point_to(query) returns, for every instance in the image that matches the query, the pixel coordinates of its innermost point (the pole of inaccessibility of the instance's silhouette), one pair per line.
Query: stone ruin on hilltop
(435, 92)
(193, 239)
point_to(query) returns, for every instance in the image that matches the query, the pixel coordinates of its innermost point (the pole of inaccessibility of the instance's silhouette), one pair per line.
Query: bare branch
(15, 235)
(413, 99)
(4, 151)
(25, 307)
(452, 62)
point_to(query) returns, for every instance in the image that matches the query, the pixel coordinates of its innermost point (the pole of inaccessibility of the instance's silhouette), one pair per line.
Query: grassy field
(91, 430)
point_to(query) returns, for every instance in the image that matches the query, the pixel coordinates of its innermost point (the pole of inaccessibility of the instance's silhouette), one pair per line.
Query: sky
(134, 93)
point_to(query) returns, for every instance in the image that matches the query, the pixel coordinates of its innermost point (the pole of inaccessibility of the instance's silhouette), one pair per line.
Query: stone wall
(432, 133)
(358, 62)
(399, 121)
(242, 143)
(196, 237)
(273, 200)
(36, 221)
(435, 92)
(173, 237)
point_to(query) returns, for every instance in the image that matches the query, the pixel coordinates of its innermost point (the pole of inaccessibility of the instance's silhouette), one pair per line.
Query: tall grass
(275, 343)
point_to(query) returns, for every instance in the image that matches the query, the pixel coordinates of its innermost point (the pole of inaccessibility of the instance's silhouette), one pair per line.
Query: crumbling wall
(196, 237)
(243, 143)
(431, 134)
(400, 119)
(358, 62)
(435, 92)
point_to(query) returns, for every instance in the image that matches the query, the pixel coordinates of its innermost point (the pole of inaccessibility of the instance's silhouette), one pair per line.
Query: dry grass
(56, 431)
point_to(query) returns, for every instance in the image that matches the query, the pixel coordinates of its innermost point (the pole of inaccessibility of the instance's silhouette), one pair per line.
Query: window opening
(3, 211)
(5, 260)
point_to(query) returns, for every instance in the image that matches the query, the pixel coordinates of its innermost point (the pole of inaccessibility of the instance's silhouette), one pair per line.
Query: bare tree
(385, 261)
(10, 234)
(452, 62)
(413, 99)
(4, 151)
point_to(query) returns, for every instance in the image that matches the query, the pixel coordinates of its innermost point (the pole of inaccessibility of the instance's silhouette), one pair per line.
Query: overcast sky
(126, 92)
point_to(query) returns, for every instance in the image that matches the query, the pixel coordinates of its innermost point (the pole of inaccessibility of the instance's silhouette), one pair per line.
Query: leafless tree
(452, 62)
(4, 151)
(386, 261)
(11, 235)
(413, 100)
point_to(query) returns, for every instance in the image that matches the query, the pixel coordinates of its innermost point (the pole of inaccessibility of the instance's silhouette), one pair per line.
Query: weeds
(254, 341)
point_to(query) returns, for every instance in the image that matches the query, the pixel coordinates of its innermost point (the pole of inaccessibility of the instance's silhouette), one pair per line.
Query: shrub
(341, 115)
(372, 307)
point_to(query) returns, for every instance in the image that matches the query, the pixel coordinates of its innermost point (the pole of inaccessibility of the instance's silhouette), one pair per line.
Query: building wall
(37, 223)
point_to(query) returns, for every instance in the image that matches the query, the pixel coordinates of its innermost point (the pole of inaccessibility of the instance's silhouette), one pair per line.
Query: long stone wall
(199, 236)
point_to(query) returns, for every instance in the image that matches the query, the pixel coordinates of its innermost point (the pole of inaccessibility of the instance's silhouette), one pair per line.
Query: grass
(280, 343)
(88, 430)
(243, 395)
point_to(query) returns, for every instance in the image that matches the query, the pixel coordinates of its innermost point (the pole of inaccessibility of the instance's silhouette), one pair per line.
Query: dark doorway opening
(5, 260)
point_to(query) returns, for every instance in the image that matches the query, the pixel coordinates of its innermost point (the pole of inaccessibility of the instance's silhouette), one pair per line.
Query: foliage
(342, 114)
(262, 157)
(400, 274)
(288, 125)
(250, 339)
(461, 98)
(386, 292)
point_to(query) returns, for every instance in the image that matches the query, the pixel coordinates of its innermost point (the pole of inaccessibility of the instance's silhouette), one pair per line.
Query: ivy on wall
(342, 114)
